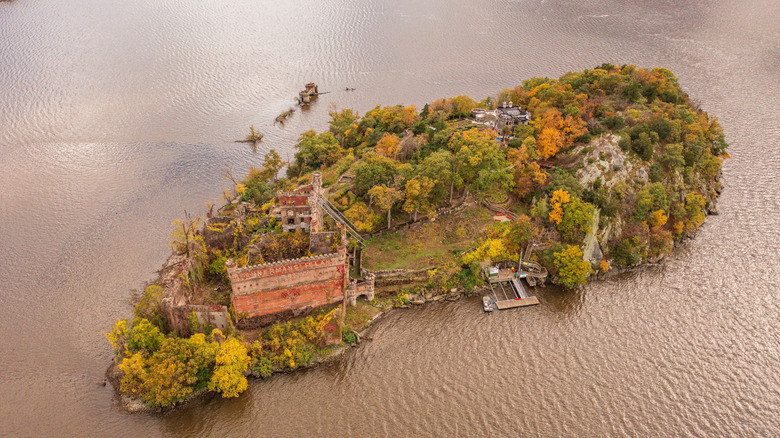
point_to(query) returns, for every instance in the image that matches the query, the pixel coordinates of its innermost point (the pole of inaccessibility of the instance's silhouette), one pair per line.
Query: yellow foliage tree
(364, 219)
(418, 193)
(657, 219)
(549, 142)
(385, 197)
(490, 249)
(232, 360)
(559, 198)
(572, 269)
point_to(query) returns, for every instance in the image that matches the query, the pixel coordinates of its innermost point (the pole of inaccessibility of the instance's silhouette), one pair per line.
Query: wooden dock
(522, 302)
(508, 291)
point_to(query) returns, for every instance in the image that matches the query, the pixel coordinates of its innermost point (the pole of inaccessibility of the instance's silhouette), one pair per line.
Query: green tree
(144, 337)
(374, 170)
(480, 160)
(672, 157)
(572, 269)
(649, 198)
(315, 150)
(520, 232)
(694, 207)
(341, 123)
(577, 216)
(438, 168)
(385, 198)
(149, 305)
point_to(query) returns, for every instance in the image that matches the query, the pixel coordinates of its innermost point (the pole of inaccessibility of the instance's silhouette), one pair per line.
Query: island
(564, 180)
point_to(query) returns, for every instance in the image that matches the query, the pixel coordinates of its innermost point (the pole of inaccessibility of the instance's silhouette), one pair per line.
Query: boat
(487, 304)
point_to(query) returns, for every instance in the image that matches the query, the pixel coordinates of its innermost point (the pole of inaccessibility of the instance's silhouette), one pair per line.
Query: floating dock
(521, 302)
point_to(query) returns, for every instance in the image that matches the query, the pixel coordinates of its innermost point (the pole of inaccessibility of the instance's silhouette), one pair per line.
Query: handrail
(340, 218)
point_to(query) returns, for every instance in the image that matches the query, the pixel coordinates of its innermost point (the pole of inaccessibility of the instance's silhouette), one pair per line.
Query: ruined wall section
(179, 317)
(295, 285)
(176, 309)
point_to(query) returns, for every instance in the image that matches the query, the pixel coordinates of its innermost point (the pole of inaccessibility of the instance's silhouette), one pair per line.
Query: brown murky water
(115, 117)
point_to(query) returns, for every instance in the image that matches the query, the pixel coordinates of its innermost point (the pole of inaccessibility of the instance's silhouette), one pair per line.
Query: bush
(350, 337)
(218, 271)
(149, 306)
(627, 252)
(401, 299)
(262, 367)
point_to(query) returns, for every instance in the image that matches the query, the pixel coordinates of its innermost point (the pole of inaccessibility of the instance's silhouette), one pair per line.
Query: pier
(507, 291)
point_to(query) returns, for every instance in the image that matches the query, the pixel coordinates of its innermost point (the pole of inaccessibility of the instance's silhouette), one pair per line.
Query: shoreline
(113, 374)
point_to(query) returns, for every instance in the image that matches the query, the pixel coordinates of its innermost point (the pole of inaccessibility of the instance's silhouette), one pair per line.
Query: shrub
(401, 299)
(149, 306)
(627, 252)
(350, 337)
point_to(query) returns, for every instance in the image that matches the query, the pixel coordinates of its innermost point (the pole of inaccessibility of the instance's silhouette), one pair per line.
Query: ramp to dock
(519, 289)
(522, 302)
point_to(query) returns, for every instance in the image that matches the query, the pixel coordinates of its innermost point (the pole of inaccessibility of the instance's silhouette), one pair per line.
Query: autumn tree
(489, 250)
(364, 219)
(392, 119)
(388, 145)
(462, 106)
(695, 210)
(527, 174)
(231, 362)
(480, 160)
(385, 197)
(342, 124)
(559, 198)
(572, 269)
(185, 235)
(417, 193)
(518, 234)
(556, 132)
(272, 164)
(577, 218)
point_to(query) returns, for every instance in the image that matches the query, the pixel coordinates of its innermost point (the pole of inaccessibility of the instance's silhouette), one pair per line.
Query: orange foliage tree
(556, 132)
(388, 145)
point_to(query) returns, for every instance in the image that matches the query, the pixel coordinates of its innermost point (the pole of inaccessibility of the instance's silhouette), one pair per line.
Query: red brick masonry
(289, 284)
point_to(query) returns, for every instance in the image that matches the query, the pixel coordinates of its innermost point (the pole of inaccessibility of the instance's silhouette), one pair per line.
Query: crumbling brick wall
(176, 309)
(288, 285)
(179, 317)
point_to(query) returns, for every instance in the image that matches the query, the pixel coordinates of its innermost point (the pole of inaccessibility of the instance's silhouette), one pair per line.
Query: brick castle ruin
(296, 286)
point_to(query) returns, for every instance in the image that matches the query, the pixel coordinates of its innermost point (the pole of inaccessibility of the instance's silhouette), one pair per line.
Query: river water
(118, 116)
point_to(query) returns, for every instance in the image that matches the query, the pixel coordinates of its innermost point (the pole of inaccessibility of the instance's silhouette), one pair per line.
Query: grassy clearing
(358, 316)
(432, 244)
